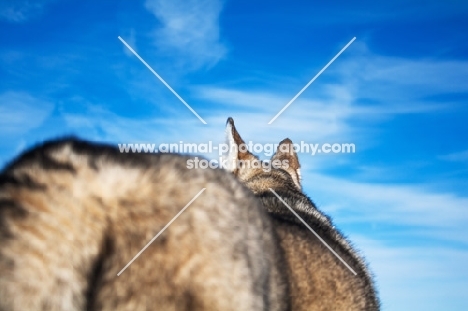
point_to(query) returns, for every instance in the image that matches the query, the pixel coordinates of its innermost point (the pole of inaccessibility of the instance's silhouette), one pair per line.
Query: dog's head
(282, 171)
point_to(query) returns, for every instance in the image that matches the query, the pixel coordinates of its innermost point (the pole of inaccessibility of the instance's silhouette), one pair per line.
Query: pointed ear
(285, 152)
(237, 147)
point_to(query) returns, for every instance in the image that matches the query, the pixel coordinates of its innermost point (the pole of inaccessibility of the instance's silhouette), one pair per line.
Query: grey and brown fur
(73, 214)
(318, 280)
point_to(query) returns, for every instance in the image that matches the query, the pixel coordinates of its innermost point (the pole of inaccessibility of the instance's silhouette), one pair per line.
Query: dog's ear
(289, 160)
(237, 147)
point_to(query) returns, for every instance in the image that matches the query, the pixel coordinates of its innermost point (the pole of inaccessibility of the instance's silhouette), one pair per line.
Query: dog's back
(73, 214)
(318, 279)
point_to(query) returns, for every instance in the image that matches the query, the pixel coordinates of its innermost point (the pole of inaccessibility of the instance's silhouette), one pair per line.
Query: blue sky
(399, 93)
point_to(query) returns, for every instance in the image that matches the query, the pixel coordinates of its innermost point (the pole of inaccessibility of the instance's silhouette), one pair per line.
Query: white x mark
(162, 80)
(312, 230)
(310, 82)
(160, 232)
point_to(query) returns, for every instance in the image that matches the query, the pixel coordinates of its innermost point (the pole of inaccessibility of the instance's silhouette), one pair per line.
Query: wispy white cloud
(461, 156)
(21, 112)
(397, 79)
(97, 123)
(437, 272)
(412, 208)
(21, 10)
(388, 172)
(331, 114)
(189, 31)
(368, 89)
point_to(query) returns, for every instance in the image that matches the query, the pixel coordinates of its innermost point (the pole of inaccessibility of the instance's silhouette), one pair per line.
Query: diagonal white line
(313, 79)
(160, 232)
(162, 80)
(312, 230)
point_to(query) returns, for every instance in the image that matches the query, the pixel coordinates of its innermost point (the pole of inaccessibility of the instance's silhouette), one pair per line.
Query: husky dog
(73, 214)
(318, 279)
